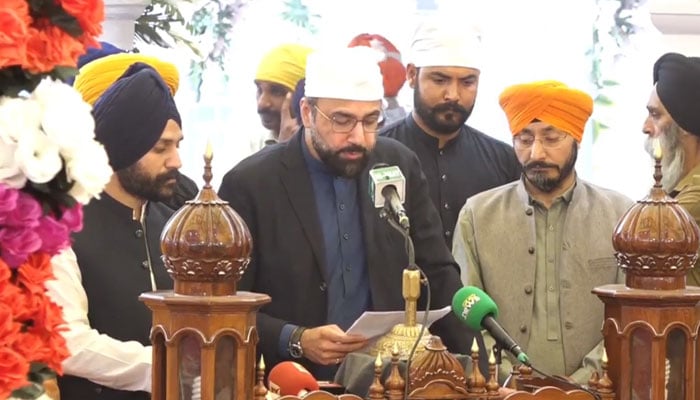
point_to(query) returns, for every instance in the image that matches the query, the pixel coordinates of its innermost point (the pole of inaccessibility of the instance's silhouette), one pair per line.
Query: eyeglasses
(345, 124)
(548, 141)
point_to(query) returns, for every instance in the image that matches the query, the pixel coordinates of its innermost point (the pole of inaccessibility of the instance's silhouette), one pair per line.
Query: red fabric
(393, 70)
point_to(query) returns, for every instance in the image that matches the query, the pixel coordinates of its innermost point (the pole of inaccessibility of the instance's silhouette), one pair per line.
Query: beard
(673, 159)
(443, 119)
(137, 182)
(334, 161)
(542, 181)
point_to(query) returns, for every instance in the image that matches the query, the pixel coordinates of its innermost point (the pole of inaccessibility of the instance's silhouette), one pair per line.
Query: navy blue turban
(131, 115)
(677, 80)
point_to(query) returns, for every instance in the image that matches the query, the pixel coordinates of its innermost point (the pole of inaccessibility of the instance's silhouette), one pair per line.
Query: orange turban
(95, 77)
(393, 71)
(552, 102)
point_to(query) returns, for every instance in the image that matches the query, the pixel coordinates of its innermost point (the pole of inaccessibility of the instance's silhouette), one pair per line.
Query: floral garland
(50, 165)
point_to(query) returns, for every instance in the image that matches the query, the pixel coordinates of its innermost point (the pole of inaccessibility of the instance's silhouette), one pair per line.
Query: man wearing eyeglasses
(321, 250)
(444, 66)
(540, 244)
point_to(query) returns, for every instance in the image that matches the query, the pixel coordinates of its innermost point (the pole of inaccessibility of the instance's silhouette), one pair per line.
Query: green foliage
(206, 32)
(610, 36)
(298, 13)
(38, 373)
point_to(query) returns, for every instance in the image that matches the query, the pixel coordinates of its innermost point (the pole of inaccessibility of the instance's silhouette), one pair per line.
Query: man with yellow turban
(674, 120)
(444, 66)
(548, 233)
(104, 68)
(276, 78)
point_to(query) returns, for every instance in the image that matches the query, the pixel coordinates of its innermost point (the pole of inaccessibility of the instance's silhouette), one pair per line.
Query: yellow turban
(95, 77)
(285, 65)
(552, 102)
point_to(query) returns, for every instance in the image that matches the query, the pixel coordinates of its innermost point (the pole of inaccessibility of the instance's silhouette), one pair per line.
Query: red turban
(393, 70)
(552, 102)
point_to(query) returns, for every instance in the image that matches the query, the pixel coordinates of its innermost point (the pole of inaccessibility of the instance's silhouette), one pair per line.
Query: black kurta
(113, 253)
(470, 163)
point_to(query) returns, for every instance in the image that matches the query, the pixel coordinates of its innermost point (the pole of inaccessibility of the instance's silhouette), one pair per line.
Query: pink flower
(8, 201)
(16, 243)
(72, 218)
(53, 234)
(26, 213)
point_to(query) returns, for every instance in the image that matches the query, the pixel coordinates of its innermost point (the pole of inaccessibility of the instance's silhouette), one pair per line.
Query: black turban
(132, 113)
(677, 80)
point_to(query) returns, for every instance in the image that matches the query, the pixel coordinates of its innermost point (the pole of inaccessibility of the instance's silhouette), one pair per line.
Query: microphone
(477, 310)
(387, 188)
(291, 378)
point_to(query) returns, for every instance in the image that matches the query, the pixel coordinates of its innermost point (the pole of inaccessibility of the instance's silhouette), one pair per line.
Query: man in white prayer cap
(444, 65)
(321, 251)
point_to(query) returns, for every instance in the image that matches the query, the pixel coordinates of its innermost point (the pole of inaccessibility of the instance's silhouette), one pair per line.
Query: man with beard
(321, 250)
(674, 120)
(458, 160)
(100, 68)
(540, 244)
(116, 256)
(276, 78)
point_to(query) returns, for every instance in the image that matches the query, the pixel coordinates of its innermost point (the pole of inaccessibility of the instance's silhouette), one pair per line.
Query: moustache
(353, 148)
(540, 164)
(454, 107)
(165, 177)
(266, 111)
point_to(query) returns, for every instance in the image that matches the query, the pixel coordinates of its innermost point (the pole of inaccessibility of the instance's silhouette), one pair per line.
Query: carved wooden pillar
(204, 333)
(651, 322)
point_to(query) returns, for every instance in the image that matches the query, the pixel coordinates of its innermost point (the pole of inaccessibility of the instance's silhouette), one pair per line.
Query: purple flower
(73, 218)
(53, 235)
(17, 243)
(26, 213)
(8, 201)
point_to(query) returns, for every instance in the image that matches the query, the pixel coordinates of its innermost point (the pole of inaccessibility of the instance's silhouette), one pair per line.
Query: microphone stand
(388, 215)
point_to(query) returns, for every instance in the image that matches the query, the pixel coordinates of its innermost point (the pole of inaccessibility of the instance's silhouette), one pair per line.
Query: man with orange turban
(674, 120)
(459, 161)
(276, 78)
(548, 232)
(393, 73)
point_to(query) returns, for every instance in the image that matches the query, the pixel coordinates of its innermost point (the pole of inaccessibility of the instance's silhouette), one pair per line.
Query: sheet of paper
(373, 324)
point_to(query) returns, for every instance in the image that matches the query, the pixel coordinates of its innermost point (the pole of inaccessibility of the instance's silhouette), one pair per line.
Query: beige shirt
(545, 344)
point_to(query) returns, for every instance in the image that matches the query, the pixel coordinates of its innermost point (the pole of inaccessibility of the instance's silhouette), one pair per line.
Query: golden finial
(378, 361)
(261, 364)
(208, 156)
(604, 358)
(475, 346)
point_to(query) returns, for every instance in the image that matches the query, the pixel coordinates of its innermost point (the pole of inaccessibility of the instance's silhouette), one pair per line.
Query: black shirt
(470, 163)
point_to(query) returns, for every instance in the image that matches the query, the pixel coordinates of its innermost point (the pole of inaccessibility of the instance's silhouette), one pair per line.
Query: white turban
(345, 73)
(440, 42)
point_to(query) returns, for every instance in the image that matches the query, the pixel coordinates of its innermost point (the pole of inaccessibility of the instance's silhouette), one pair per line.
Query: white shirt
(95, 356)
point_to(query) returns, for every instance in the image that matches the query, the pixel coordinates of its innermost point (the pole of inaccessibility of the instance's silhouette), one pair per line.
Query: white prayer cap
(347, 73)
(444, 42)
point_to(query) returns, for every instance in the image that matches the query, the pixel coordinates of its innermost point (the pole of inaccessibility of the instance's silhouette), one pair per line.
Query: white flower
(37, 156)
(66, 118)
(10, 172)
(17, 115)
(89, 171)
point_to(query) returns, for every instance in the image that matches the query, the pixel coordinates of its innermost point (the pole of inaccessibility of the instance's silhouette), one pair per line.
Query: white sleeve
(94, 356)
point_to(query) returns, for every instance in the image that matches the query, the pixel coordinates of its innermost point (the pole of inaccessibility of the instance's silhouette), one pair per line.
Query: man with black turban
(116, 256)
(674, 120)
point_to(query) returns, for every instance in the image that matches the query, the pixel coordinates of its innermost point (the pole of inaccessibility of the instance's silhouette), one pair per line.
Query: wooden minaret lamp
(651, 322)
(204, 333)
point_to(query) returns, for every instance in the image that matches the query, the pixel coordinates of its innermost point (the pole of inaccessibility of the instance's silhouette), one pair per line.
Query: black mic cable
(413, 266)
